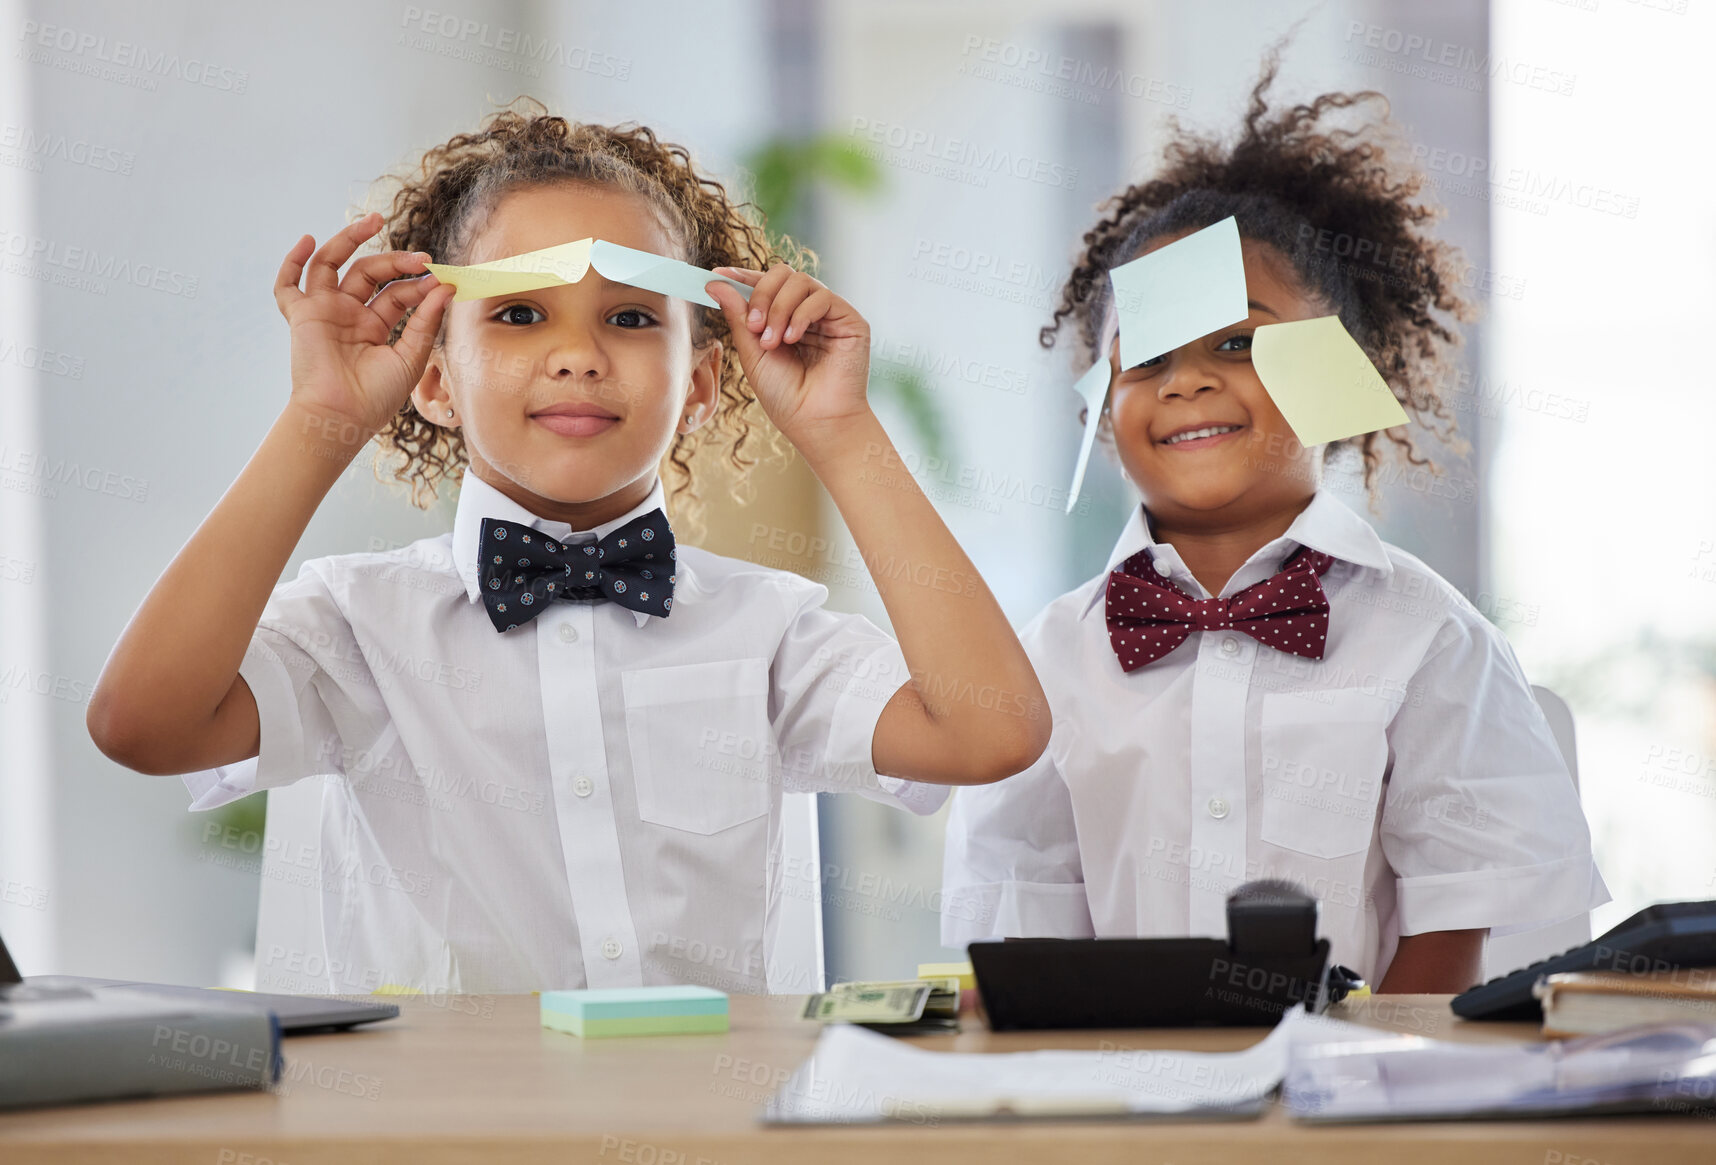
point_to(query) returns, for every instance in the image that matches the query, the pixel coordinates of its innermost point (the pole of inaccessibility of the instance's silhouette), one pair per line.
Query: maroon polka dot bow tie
(1148, 616)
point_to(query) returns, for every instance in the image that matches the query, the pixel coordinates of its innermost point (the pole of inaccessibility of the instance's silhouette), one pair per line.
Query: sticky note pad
(635, 1011)
(1179, 292)
(961, 971)
(1321, 380)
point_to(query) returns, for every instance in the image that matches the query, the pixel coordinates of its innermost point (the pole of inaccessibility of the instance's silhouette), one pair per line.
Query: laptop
(297, 1014)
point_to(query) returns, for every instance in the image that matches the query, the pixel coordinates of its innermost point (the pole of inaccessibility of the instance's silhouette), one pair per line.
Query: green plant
(784, 175)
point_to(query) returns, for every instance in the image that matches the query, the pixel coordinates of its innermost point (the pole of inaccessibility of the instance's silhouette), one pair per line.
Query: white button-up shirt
(591, 799)
(1408, 778)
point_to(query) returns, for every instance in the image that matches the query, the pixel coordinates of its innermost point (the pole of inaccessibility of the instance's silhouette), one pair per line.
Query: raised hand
(342, 365)
(805, 350)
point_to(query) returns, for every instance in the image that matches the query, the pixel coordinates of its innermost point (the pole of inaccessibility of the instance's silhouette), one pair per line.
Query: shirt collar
(478, 500)
(1326, 525)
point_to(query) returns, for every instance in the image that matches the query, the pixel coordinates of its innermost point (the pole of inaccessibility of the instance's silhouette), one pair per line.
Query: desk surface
(464, 1078)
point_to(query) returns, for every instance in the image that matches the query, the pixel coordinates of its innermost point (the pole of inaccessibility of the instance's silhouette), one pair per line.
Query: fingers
(286, 282)
(363, 277)
(420, 330)
(400, 296)
(776, 298)
(814, 307)
(325, 264)
(743, 274)
(733, 307)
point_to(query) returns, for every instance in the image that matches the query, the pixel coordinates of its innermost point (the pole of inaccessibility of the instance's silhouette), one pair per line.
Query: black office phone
(1272, 960)
(1664, 937)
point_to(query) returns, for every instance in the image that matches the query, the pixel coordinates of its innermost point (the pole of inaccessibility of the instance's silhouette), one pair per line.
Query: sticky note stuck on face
(1093, 387)
(569, 262)
(657, 273)
(1179, 292)
(1322, 381)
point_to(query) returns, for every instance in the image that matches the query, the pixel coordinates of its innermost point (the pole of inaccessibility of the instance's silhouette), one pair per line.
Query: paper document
(1660, 1068)
(858, 1076)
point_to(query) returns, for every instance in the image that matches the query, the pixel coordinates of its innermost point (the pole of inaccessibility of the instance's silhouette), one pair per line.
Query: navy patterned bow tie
(1148, 616)
(523, 570)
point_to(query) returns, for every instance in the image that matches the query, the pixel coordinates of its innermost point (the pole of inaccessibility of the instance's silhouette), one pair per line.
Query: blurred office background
(943, 156)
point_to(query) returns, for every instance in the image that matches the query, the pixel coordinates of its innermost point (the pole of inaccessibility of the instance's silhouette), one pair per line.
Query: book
(1580, 1003)
(57, 1051)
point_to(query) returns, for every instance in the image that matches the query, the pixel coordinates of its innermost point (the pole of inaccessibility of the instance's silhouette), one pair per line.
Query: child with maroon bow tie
(553, 743)
(1256, 685)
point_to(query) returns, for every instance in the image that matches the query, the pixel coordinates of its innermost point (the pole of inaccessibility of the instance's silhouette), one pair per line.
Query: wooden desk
(475, 1078)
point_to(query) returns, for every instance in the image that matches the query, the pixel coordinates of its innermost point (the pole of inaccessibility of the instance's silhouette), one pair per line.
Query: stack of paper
(857, 1076)
(1667, 1068)
(635, 1011)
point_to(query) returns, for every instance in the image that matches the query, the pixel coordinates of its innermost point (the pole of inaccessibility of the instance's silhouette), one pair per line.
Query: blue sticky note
(635, 1011)
(1179, 292)
(1093, 388)
(631, 1002)
(658, 273)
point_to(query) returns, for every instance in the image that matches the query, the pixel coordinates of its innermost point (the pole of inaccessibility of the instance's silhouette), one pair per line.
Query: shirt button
(568, 633)
(583, 786)
(1229, 646)
(611, 948)
(1163, 569)
(1218, 808)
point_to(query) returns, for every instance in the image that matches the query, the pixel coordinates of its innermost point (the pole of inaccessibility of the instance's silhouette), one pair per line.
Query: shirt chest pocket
(700, 742)
(1324, 755)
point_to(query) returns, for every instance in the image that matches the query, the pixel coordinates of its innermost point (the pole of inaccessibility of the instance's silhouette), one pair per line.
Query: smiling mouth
(1199, 438)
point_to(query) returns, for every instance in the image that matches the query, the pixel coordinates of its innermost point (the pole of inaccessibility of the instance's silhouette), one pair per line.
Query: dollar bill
(901, 1002)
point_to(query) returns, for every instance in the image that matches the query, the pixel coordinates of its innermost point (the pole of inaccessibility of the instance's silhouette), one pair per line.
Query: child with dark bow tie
(572, 732)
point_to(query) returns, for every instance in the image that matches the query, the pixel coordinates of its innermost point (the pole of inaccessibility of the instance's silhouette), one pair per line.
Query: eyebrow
(614, 283)
(1262, 307)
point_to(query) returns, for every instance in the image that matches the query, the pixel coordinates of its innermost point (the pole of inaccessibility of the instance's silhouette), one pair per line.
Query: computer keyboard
(1660, 938)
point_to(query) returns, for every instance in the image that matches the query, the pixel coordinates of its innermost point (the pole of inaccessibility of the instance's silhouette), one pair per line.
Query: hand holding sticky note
(569, 262)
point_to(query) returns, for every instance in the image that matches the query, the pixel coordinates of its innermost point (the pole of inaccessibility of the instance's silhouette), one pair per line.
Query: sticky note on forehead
(1179, 292)
(569, 262)
(1322, 381)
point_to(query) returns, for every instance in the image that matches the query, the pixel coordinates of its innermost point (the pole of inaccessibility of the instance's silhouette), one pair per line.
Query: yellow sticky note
(1321, 380)
(961, 971)
(530, 271)
(569, 262)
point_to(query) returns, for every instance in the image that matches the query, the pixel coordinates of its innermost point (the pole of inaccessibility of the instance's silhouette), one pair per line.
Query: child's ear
(434, 404)
(704, 395)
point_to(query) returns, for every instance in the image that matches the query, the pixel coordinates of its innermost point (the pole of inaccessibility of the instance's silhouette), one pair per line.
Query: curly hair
(441, 202)
(1345, 213)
